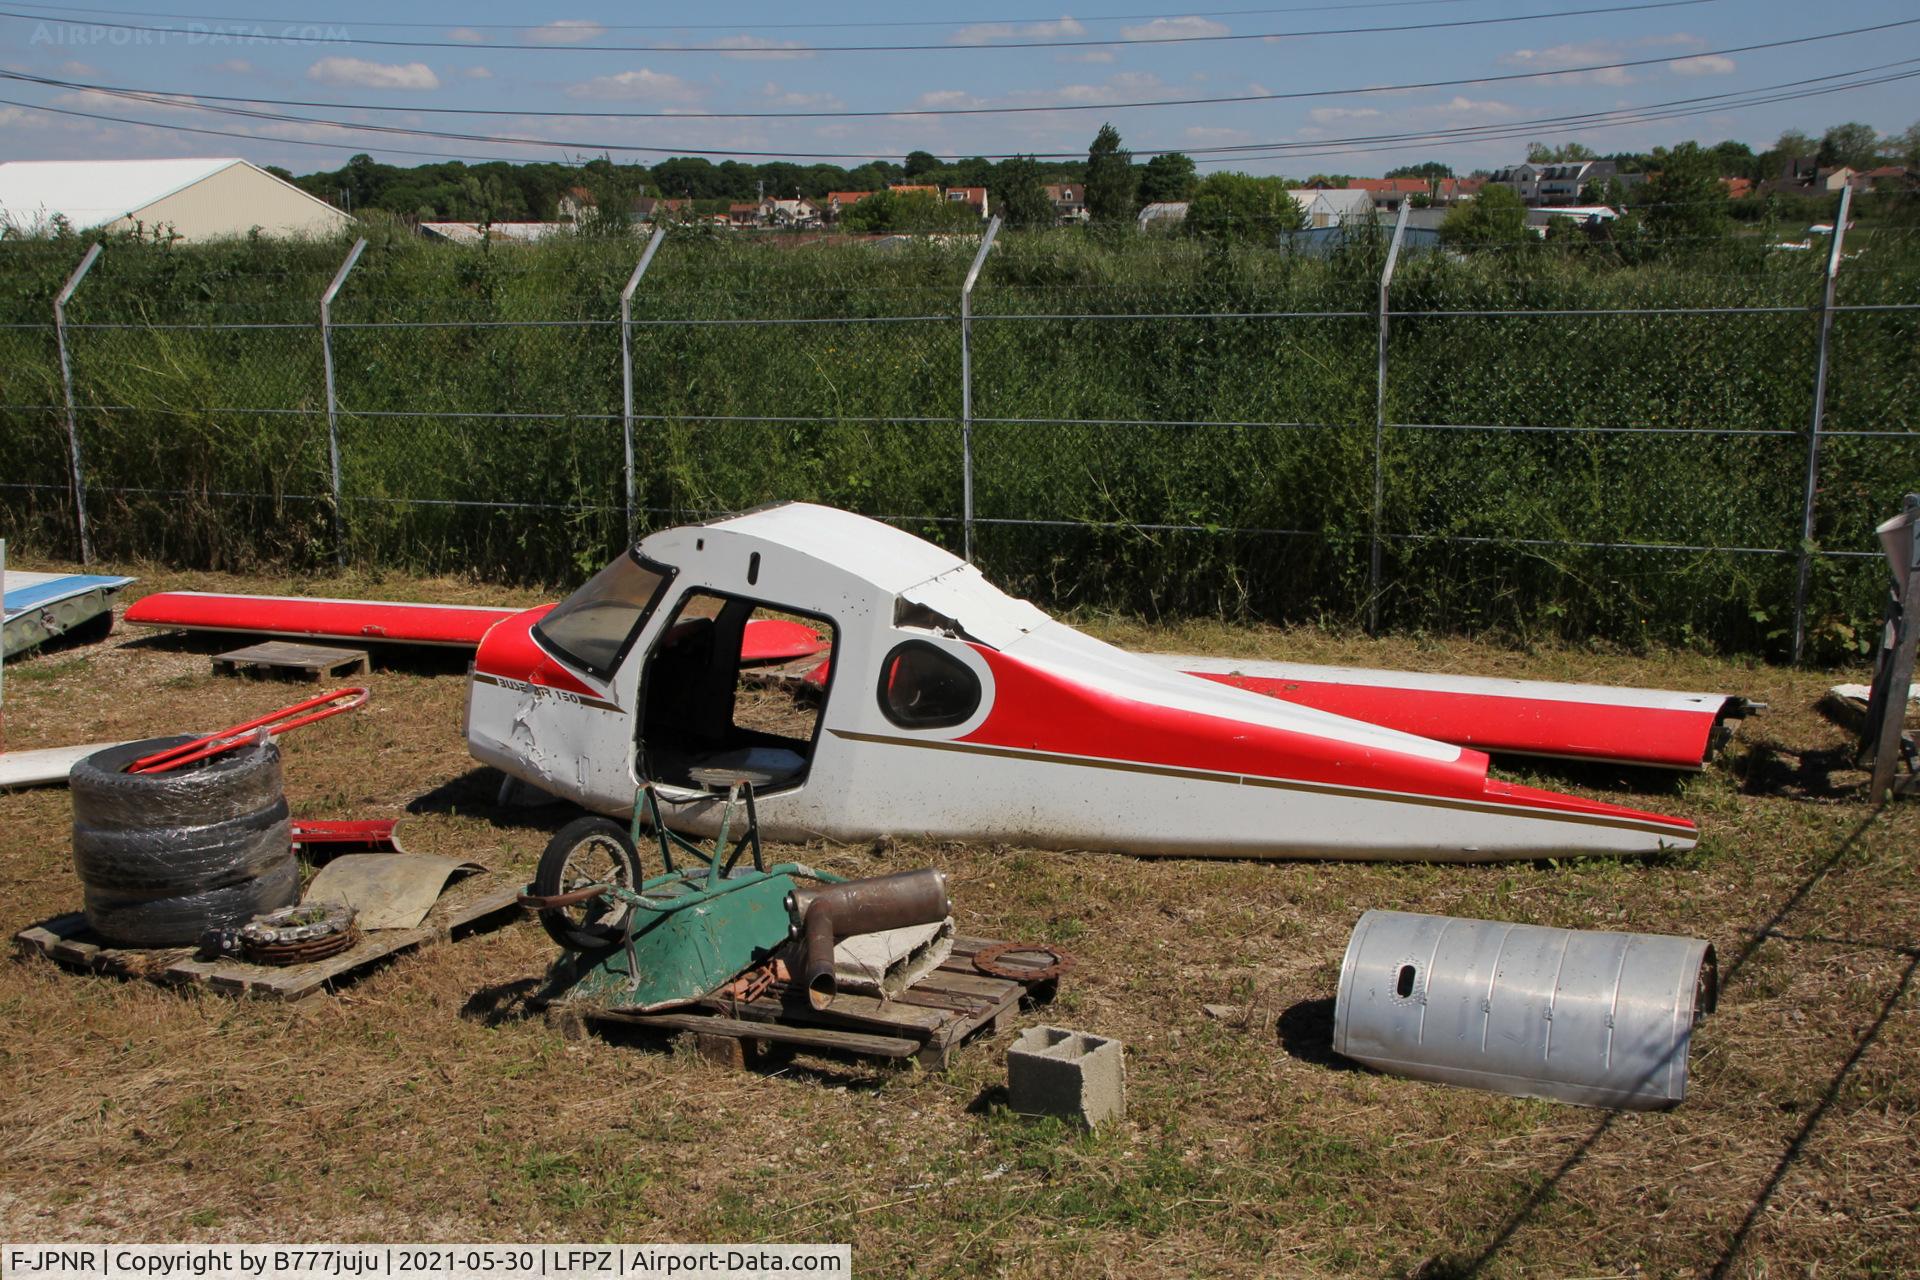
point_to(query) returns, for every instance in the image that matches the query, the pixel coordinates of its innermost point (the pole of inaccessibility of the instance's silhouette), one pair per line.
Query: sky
(520, 82)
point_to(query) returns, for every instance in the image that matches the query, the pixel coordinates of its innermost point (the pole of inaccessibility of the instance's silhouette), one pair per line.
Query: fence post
(966, 386)
(77, 474)
(333, 400)
(1805, 567)
(1380, 422)
(626, 362)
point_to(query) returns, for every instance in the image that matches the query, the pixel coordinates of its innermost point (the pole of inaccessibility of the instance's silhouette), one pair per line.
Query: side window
(922, 687)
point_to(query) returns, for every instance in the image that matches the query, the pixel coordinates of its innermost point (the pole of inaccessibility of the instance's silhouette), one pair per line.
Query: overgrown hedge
(471, 444)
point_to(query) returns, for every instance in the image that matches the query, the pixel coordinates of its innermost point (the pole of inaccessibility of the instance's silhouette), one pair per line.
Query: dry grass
(418, 1103)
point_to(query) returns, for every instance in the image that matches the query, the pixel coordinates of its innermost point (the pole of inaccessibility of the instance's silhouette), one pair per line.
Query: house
(1452, 191)
(189, 200)
(1559, 183)
(1887, 177)
(744, 214)
(1326, 207)
(789, 215)
(1523, 178)
(1737, 188)
(574, 203)
(1168, 212)
(840, 201)
(649, 209)
(973, 196)
(1069, 201)
(1388, 193)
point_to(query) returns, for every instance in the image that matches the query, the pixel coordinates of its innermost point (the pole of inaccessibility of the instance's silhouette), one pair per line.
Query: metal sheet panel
(1603, 1019)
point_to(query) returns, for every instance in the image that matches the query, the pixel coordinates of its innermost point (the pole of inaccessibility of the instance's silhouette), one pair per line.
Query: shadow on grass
(476, 794)
(503, 1003)
(1306, 1032)
(1769, 768)
(1459, 1265)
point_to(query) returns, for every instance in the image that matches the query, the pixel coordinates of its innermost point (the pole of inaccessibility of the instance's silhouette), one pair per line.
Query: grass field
(422, 1103)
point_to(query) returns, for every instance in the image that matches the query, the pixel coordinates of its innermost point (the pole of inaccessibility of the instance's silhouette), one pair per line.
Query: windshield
(593, 628)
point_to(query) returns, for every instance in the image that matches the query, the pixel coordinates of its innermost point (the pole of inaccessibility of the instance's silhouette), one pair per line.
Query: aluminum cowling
(1601, 1019)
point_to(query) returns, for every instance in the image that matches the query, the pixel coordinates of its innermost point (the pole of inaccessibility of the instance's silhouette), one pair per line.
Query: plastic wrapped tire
(172, 861)
(180, 921)
(231, 785)
(166, 857)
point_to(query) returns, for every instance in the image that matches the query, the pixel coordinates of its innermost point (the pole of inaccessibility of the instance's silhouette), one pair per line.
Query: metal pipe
(77, 474)
(333, 400)
(1380, 424)
(626, 362)
(825, 915)
(966, 387)
(1802, 573)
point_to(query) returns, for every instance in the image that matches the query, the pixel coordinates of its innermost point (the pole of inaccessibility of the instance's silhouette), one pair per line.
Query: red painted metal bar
(277, 722)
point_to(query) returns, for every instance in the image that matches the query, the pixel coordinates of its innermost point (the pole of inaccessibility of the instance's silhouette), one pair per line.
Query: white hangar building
(194, 200)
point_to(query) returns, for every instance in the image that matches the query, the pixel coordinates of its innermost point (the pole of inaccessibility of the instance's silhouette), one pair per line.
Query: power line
(1229, 153)
(585, 46)
(178, 98)
(63, 12)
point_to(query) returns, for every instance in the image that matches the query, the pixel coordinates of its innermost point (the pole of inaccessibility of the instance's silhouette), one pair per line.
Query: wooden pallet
(474, 901)
(313, 661)
(953, 1004)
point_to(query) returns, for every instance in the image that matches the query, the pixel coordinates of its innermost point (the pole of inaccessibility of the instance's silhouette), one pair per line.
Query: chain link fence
(1541, 438)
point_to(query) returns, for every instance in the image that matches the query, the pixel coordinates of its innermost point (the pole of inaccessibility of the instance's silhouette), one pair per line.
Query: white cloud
(478, 73)
(944, 98)
(1712, 64)
(643, 85)
(567, 31)
(467, 35)
(373, 75)
(761, 48)
(235, 67)
(1562, 56)
(79, 69)
(987, 32)
(1175, 29)
(790, 100)
(1332, 115)
(1458, 107)
(1085, 55)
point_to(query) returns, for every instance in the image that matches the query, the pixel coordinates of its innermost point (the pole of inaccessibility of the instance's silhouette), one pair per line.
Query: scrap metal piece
(387, 890)
(823, 916)
(299, 935)
(987, 961)
(40, 606)
(1601, 1019)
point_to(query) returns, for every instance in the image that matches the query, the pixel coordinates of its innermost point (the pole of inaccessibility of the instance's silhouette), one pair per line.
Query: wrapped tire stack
(165, 857)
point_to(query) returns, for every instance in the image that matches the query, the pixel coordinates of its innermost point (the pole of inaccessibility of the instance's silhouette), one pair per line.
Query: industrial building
(190, 200)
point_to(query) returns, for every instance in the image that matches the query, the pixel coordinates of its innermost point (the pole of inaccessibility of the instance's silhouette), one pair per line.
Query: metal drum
(1602, 1019)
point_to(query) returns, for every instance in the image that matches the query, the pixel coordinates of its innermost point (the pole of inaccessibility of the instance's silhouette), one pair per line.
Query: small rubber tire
(596, 925)
(181, 921)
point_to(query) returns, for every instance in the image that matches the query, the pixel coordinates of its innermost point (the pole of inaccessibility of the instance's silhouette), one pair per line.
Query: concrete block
(1055, 1072)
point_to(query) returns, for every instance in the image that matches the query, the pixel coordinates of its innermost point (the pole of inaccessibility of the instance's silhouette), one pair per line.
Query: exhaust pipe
(827, 914)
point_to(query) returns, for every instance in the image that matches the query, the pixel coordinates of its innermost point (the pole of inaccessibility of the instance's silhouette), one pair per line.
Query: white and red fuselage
(1065, 742)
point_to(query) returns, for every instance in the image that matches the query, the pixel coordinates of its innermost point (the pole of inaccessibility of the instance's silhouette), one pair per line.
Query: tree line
(1116, 188)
